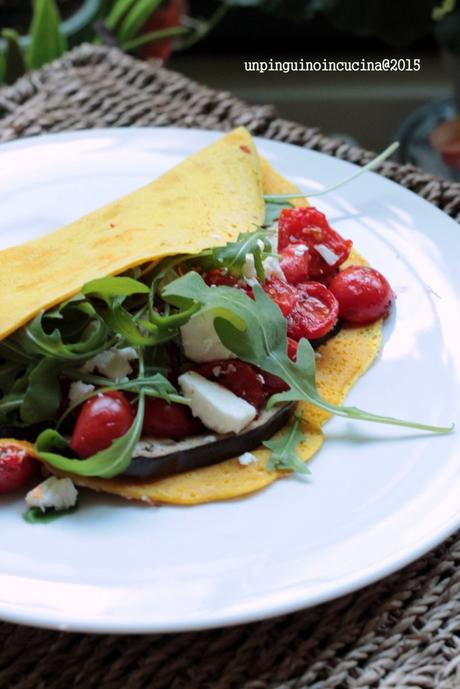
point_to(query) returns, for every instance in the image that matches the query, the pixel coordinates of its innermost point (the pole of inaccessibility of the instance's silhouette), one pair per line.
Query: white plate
(378, 497)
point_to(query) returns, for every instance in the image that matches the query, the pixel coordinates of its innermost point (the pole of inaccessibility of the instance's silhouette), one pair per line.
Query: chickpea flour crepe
(186, 342)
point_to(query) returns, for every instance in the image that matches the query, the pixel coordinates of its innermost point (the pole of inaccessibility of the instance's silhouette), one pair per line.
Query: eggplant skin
(332, 332)
(217, 450)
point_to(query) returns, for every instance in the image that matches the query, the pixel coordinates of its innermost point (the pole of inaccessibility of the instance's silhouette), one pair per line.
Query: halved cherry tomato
(242, 379)
(16, 468)
(315, 312)
(282, 294)
(221, 276)
(309, 226)
(292, 348)
(364, 295)
(102, 419)
(169, 420)
(295, 263)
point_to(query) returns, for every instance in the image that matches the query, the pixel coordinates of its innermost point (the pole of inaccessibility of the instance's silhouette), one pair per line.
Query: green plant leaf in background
(119, 10)
(47, 42)
(135, 19)
(12, 63)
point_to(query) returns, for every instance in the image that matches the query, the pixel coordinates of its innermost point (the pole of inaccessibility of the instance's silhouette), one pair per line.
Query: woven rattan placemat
(402, 632)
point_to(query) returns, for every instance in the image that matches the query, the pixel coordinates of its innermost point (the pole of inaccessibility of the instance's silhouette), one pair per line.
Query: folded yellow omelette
(205, 201)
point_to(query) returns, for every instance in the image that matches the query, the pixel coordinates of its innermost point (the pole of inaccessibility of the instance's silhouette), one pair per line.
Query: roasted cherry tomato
(295, 263)
(102, 419)
(16, 468)
(169, 420)
(242, 379)
(292, 348)
(309, 226)
(282, 294)
(315, 312)
(221, 276)
(364, 295)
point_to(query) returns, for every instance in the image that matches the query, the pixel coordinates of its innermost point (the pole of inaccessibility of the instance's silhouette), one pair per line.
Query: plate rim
(114, 625)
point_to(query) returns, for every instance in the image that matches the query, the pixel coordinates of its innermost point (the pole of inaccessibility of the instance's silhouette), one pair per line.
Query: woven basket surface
(401, 633)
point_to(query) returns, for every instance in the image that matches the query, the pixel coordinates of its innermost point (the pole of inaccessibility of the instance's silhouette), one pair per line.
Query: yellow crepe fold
(206, 200)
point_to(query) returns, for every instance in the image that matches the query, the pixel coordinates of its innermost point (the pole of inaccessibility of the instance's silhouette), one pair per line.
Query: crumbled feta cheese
(247, 458)
(217, 407)
(78, 391)
(272, 268)
(216, 371)
(300, 249)
(59, 493)
(329, 256)
(200, 340)
(113, 363)
(272, 237)
(249, 268)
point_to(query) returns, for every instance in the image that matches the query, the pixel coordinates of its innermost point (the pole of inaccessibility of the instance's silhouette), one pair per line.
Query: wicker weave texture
(402, 633)
(96, 87)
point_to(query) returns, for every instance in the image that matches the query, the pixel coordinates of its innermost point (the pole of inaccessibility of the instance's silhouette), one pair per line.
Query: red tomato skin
(364, 294)
(292, 348)
(163, 18)
(282, 294)
(295, 263)
(221, 276)
(169, 420)
(315, 313)
(244, 380)
(309, 226)
(102, 419)
(16, 468)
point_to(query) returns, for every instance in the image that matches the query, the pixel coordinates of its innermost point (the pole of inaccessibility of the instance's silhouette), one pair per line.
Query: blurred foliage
(46, 43)
(126, 23)
(398, 23)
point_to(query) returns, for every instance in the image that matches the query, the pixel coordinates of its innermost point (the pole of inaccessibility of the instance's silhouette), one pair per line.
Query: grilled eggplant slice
(155, 458)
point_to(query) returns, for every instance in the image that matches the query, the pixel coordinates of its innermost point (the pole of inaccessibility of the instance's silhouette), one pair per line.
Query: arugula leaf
(233, 255)
(35, 515)
(284, 456)
(109, 287)
(224, 301)
(105, 464)
(132, 328)
(8, 373)
(43, 395)
(33, 340)
(273, 210)
(263, 342)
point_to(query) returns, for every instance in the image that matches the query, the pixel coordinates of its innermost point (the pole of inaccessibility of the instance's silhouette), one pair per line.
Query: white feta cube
(200, 340)
(217, 407)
